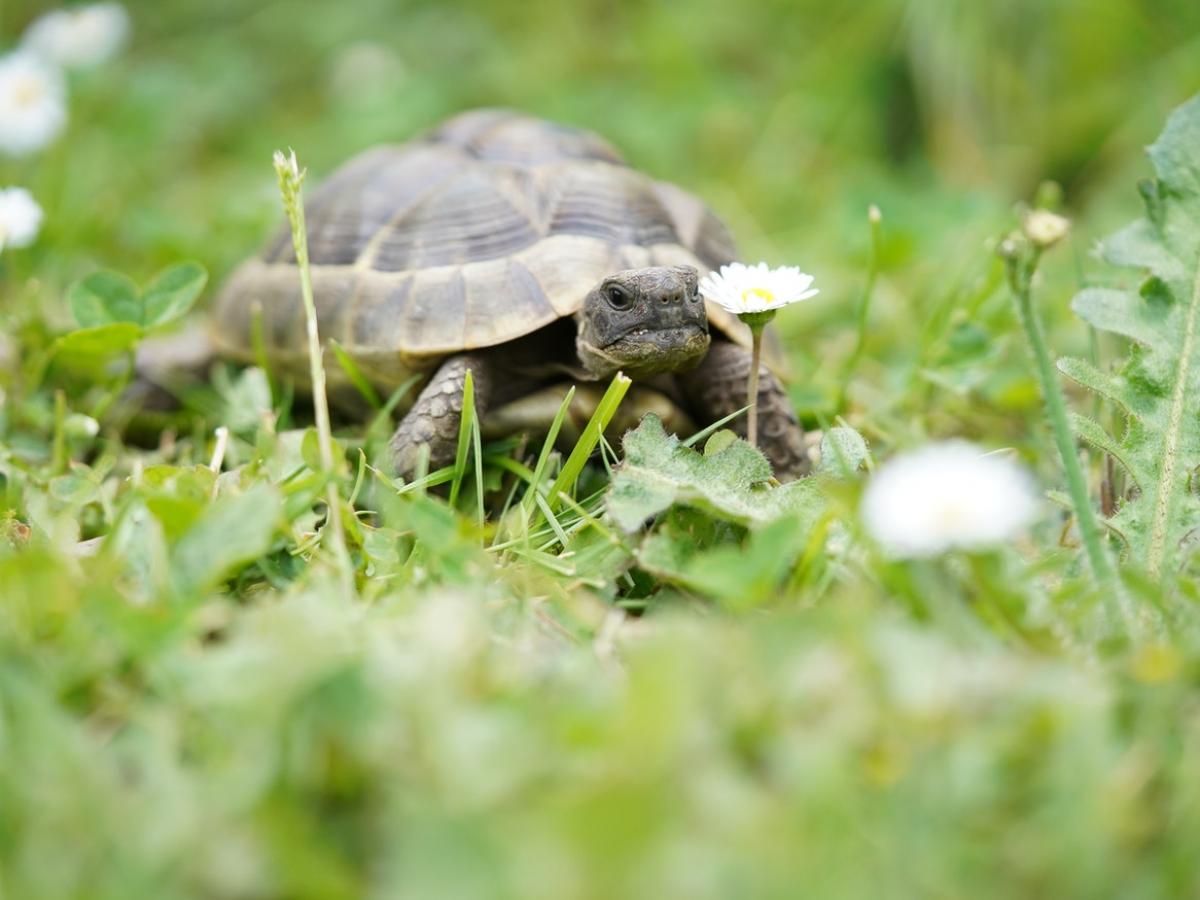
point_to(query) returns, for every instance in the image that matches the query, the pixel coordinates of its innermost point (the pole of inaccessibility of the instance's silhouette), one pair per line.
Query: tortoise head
(643, 322)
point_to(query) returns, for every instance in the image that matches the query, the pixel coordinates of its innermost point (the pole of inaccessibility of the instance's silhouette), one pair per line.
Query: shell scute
(471, 216)
(609, 203)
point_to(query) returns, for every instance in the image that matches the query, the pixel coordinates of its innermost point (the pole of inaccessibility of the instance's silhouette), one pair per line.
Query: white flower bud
(1044, 228)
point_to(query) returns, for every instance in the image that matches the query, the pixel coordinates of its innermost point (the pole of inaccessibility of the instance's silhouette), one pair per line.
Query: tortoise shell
(484, 230)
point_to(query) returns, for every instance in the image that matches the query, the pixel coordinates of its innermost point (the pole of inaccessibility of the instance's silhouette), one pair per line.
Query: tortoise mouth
(644, 352)
(682, 332)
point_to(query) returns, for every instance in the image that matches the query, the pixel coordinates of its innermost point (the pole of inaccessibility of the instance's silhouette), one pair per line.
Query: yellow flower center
(749, 295)
(27, 92)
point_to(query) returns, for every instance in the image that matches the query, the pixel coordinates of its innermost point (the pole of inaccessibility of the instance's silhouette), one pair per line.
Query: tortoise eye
(618, 297)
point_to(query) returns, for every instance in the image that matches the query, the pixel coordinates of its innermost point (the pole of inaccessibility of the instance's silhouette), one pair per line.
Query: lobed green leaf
(731, 483)
(1158, 384)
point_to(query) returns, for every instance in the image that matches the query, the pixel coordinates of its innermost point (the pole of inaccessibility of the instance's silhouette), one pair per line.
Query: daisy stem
(756, 333)
(1020, 267)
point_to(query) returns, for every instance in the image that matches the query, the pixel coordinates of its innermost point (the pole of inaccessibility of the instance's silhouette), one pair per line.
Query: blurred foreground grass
(189, 706)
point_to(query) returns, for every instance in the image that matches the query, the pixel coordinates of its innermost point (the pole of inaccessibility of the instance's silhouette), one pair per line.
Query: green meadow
(625, 665)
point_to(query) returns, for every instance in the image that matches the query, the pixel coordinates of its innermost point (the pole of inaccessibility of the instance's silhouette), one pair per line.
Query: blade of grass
(539, 469)
(464, 436)
(58, 455)
(508, 502)
(608, 456)
(559, 533)
(703, 433)
(476, 446)
(523, 473)
(591, 520)
(393, 401)
(358, 478)
(421, 472)
(604, 413)
(258, 345)
(545, 560)
(354, 373)
(419, 484)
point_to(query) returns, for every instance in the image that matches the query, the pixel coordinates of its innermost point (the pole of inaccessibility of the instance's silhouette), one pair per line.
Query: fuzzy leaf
(740, 574)
(1158, 384)
(1114, 388)
(843, 452)
(1121, 312)
(1089, 430)
(731, 483)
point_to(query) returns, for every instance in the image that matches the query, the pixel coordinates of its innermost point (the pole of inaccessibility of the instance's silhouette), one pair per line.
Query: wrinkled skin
(648, 323)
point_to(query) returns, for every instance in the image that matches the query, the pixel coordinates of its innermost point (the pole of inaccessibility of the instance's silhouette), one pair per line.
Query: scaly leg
(433, 421)
(717, 387)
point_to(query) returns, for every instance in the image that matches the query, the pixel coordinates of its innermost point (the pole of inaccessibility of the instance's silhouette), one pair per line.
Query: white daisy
(754, 294)
(20, 218)
(756, 289)
(33, 106)
(79, 37)
(944, 496)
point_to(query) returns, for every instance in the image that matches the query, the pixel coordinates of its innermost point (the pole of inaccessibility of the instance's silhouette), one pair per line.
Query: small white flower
(20, 218)
(33, 106)
(1045, 228)
(756, 289)
(79, 37)
(947, 495)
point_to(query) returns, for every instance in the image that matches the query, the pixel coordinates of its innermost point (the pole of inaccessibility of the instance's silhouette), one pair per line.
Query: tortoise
(526, 252)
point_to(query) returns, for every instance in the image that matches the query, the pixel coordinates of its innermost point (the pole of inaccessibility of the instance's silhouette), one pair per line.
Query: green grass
(743, 699)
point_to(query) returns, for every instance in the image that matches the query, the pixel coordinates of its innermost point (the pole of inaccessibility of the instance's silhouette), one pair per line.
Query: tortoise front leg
(717, 387)
(433, 421)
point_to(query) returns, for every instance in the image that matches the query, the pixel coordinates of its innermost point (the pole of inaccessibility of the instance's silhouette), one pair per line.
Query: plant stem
(756, 333)
(58, 457)
(864, 305)
(290, 179)
(1020, 272)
